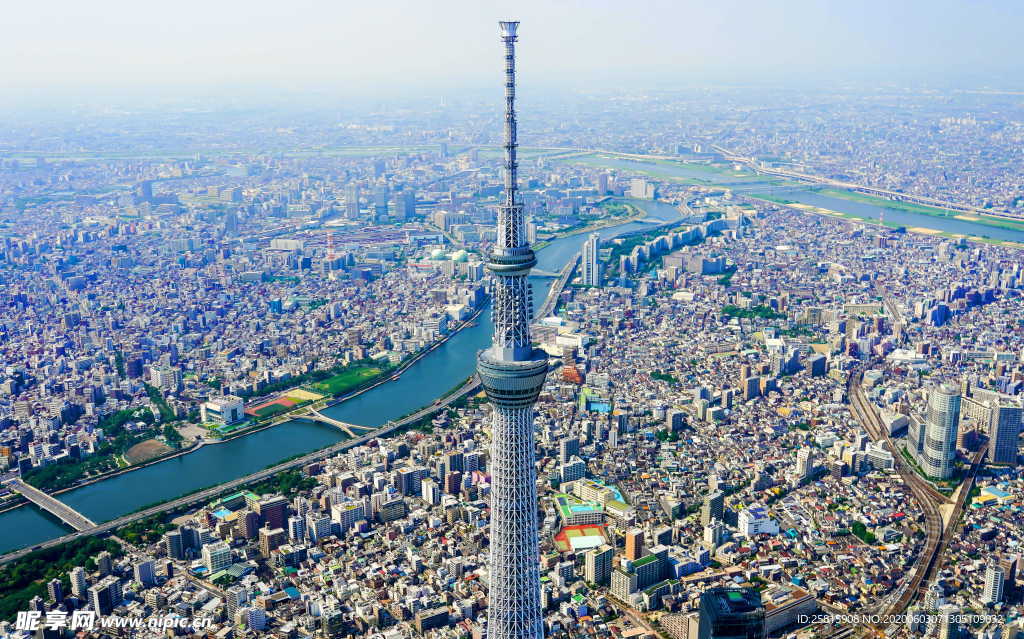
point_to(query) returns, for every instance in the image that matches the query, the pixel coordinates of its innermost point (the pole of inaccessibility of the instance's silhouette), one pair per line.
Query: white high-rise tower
(591, 266)
(512, 373)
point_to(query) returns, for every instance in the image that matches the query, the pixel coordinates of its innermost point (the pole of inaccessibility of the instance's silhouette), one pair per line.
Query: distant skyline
(407, 47)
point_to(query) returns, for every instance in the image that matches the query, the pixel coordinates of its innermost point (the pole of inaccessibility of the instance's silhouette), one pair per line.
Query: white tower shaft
(512, 373)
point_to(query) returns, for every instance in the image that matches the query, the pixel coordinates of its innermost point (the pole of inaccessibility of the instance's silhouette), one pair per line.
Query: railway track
(938, 533)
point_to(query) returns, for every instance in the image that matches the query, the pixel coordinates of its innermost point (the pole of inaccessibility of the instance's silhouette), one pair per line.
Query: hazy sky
(360, 45)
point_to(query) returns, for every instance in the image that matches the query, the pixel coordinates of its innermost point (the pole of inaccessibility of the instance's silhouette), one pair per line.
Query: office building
(1004, 432)
(145, 573)
(352, 202)
(731, 613)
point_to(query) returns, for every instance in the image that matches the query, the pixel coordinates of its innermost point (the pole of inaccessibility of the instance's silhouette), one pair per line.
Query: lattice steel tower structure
(512, 373)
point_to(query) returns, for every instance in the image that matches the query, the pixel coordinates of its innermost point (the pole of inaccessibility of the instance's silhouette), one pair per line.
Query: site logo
(55, 620)
(87, 620)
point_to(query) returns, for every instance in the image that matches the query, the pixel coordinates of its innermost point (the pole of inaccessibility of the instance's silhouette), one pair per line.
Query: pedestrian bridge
(55, 507)
(313, 415)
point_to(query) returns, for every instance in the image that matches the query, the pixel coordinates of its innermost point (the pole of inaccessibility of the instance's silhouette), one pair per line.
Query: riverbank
(273, 421)
(915, 217)
(921, 230)
(635, 215)
(986, 220)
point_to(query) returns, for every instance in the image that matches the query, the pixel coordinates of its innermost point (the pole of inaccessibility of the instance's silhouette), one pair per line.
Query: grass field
(346, 381)
(146, 450)
(300, 395)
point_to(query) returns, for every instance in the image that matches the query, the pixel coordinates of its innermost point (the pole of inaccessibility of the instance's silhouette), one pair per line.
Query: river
(905, 218)
(813, 198)
(426, 380)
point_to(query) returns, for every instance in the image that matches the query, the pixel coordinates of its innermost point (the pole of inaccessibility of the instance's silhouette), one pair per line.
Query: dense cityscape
(656, 364)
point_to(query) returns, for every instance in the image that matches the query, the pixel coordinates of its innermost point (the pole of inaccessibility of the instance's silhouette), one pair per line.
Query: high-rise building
(317, 526)
(591, 266)
(216, 557)
(1003, 433)
(166, 378)
(78, 584)
(940, 435)
(512, 373)
(145, 573)
(105, 595)
(296, 528)
(567, 448)
(804, 460)
(408, 203)
(104, 563)
(715, 534)
(713, 507)
(254, 618)
(381, 195)
(949, 627)
(352, 202)
(598, 565)
(55, 591)
(994, 581)
(273, 511)
(634, 544)
(270, 540)
(430, 491)
(731, 613)
(234, 598)
(230, 222)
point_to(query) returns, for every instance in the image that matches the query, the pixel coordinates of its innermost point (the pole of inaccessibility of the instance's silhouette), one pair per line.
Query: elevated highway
(548, 307)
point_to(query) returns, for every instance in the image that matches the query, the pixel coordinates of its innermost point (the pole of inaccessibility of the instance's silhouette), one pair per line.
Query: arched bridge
(316, 416)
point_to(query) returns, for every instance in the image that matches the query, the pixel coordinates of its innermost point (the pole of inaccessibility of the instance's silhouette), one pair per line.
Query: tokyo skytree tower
(512, 373)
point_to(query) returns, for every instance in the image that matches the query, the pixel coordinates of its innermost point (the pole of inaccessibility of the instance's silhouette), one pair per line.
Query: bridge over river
(314, 415)
(54, 506)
